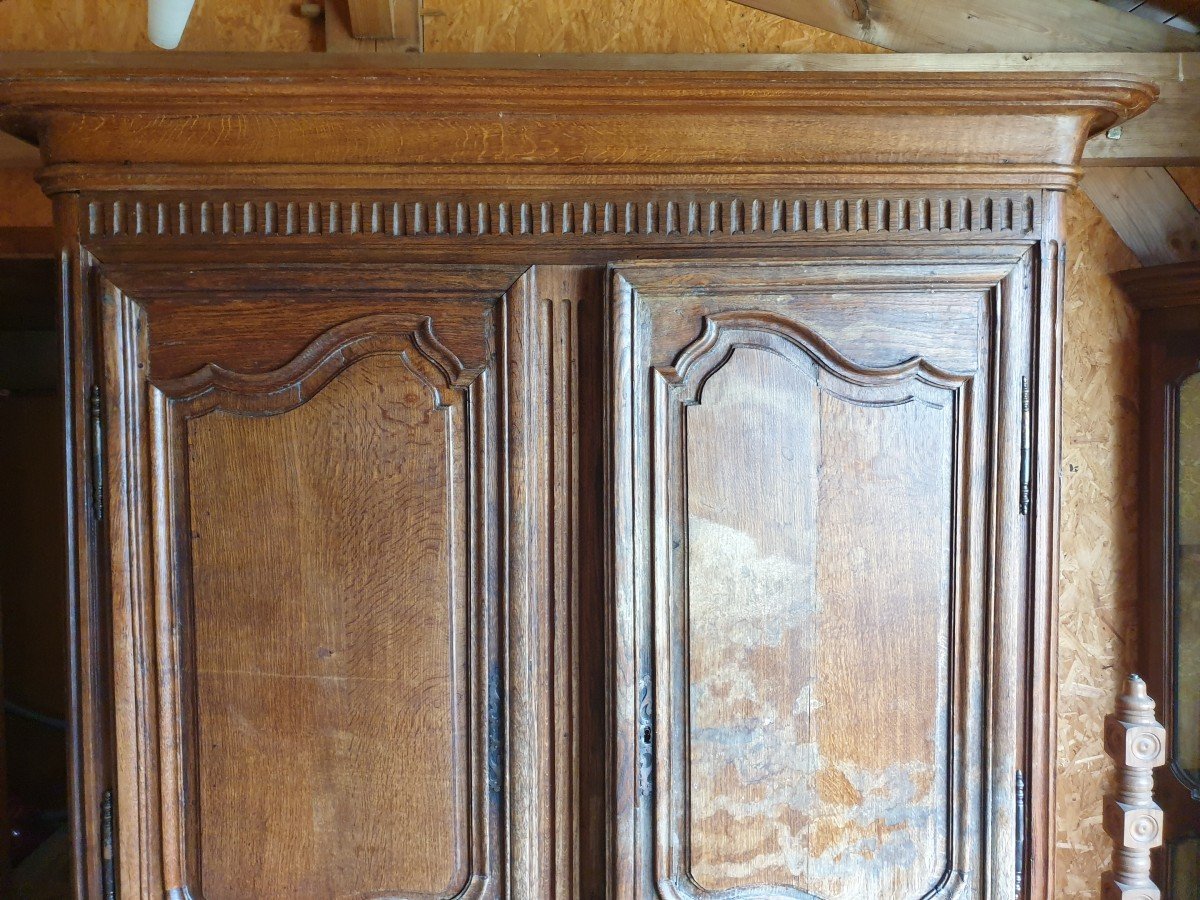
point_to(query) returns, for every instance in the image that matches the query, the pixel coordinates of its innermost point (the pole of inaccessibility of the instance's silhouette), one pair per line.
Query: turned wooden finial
(1132, 819)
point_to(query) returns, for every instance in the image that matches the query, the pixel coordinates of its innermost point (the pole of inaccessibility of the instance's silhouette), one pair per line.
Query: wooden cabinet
(578, 483)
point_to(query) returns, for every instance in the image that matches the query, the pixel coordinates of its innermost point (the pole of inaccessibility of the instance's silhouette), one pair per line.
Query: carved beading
(1132, 819)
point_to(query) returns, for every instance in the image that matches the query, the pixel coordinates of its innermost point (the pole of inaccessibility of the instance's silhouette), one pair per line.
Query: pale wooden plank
(372, 18)
(342, 29)
(984, 26)
(1148, 211)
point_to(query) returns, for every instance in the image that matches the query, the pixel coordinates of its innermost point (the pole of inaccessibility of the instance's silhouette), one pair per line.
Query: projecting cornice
(251, 121)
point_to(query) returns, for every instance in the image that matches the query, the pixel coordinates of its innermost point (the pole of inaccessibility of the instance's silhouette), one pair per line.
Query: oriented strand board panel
(121, 25)
(1097, 637)
(619, 26)
(1100, 379)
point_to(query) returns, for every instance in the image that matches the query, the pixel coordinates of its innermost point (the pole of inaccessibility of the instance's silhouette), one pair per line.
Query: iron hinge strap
(1019, 814)
(107, 870)
(95, 411)
(1026, 449)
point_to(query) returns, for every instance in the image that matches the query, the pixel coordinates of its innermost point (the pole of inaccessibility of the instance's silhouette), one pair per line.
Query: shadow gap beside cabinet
(555, 484)
(33, 603)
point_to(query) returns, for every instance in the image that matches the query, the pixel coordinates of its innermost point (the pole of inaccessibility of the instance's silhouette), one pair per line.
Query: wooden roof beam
(985, 26)
(1148, 211)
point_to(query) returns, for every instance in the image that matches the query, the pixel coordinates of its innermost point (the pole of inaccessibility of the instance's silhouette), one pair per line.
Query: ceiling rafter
(985, 26)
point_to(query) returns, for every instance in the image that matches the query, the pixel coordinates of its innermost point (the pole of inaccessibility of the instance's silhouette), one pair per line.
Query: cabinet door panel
(797, 498)
(802, 599)
(309, 558)
(329, 608)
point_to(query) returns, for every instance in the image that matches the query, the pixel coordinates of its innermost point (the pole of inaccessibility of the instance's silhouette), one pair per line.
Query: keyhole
(646, 735)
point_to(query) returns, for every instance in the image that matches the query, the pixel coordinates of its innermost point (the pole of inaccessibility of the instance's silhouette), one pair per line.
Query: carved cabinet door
(302, 520)
(819, 577)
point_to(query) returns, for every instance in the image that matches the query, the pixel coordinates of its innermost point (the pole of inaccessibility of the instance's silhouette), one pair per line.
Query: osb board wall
(1100, 381)
(1098, 583)
(619, 26)
(120, 25)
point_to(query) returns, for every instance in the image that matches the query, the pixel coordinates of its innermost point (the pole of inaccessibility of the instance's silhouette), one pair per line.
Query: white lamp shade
(167, 19)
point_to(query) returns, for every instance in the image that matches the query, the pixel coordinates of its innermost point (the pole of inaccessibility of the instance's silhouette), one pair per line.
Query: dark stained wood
(1169, 299)
(26, 243)
(281, 277)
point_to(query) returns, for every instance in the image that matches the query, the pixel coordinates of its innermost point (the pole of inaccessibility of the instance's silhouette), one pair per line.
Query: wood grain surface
(216, 303)
(331, 697)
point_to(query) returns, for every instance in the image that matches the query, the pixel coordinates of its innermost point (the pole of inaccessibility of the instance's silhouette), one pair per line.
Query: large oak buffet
(590, 479)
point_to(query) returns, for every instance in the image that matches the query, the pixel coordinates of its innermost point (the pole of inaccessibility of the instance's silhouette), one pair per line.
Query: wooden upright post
(1137, 742)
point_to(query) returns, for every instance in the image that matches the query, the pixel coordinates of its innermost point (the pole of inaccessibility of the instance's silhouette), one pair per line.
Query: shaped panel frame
(656, 375)
(150, 581)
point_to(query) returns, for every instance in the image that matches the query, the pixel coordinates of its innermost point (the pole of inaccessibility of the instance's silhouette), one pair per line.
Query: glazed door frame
(989, 675)
(1169, 299)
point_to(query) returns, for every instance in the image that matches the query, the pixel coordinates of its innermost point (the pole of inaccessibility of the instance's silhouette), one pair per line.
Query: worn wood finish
(255, 276)
(816, 486)
(1169, 299)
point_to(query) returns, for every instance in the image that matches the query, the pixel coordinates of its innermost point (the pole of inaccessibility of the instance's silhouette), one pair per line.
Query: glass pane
(1187, 648)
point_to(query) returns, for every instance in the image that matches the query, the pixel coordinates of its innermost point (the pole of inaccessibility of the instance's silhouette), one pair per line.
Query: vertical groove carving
(562, 421)
(543, 527)
(1137, 743)
(139, 218)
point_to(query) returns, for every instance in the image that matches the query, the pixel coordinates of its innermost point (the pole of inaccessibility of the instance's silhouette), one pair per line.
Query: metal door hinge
(1026, 450)
(1019, 814)
(97, 418)
(645, 738)
(107, 874)
(495, 735)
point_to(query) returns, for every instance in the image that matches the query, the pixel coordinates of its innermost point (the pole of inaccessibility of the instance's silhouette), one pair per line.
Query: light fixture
(167, 19)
